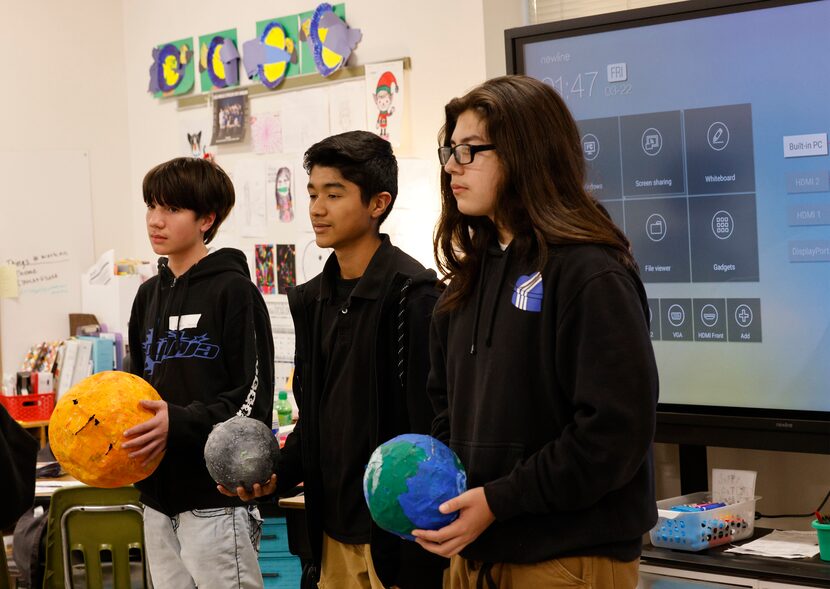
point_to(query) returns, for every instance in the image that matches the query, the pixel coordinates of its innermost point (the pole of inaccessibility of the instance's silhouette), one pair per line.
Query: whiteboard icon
(718, 135)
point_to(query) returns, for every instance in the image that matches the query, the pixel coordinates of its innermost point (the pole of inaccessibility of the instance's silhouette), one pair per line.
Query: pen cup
(823, 531)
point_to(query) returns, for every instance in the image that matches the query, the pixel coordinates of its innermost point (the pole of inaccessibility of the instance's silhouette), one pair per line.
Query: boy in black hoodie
(200, 334)
(542, 370)
(362, 329)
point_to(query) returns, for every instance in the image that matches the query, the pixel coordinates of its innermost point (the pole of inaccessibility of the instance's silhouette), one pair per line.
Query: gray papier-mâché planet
(240, 452)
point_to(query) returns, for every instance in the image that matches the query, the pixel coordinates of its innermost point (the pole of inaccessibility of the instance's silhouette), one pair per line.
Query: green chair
(95, 540)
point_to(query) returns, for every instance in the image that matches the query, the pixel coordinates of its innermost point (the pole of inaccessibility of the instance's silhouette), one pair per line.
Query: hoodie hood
(222, 260)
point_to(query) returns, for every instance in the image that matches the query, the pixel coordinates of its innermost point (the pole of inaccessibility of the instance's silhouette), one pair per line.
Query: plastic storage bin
(29, 407)
(698, 530)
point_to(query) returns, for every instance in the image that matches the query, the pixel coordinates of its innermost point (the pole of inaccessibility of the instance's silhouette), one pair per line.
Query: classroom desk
(298, 543)
(46, 487)
(41, 426)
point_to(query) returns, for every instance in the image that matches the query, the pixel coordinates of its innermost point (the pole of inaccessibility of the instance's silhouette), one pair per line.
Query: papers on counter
(781, 544)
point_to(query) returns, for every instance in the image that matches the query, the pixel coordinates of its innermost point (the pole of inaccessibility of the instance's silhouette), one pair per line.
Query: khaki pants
(594, 572)
(347, 566)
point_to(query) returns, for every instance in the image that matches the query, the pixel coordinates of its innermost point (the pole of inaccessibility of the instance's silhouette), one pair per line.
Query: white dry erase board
(46, 234)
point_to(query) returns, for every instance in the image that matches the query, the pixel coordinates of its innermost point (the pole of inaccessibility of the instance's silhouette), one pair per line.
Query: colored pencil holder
(823, 531)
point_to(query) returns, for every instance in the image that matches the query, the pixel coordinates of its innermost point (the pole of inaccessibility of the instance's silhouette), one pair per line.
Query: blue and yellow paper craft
(172, 70)
(269, 55)
(332, 40)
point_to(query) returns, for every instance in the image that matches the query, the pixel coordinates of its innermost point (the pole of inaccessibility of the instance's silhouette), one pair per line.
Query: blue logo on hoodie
(527, 293)
(176, 344)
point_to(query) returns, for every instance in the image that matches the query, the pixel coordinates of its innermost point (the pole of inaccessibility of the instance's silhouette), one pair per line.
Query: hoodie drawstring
(488, 340)
(479, 295)
(502, 274)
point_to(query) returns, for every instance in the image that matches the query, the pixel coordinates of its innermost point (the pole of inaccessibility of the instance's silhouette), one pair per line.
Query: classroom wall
(65, 89)
(445, 41)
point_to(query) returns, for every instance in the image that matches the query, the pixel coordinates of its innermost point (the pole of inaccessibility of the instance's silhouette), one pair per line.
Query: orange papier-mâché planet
(87, 428)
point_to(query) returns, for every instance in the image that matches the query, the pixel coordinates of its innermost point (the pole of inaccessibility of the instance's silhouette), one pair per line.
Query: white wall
(66, 90)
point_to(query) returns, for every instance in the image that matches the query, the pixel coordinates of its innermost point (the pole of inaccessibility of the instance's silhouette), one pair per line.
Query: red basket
(29, 407)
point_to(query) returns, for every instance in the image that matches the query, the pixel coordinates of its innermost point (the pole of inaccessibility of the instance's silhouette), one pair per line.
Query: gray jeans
(204, 548)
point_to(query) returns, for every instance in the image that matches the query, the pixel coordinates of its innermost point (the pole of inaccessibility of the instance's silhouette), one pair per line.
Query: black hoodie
(203, 340)
(402, 294)
(545, 385)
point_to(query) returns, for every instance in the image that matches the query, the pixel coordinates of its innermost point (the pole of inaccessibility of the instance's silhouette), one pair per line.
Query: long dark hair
(542, 200)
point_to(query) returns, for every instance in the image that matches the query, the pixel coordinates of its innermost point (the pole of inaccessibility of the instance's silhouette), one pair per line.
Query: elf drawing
(387, 86)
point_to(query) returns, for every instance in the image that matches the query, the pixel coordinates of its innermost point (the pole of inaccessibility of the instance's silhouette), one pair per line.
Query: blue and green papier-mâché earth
(407, 478)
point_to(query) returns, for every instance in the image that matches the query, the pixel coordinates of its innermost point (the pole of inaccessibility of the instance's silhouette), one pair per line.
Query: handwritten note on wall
(43, 273)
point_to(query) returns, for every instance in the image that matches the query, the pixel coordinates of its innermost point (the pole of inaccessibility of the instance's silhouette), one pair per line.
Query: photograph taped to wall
(229, 117)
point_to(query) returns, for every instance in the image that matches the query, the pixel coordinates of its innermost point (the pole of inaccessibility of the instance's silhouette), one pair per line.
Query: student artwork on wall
(264, 256)
(270, 55)
(229, 109)
(312, 258)
(286, 272)
(194, 135)
(172, 72)
(305, 119)
(283, 192)
(385, 99)
(218, 61)
(249, 185)
(347, 107)
(327, 40)
(266, 133)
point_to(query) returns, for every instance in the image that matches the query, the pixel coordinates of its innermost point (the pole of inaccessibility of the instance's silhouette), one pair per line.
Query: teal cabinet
(280, 569)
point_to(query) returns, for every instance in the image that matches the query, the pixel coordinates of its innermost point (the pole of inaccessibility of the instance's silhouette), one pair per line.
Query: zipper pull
(345, 308)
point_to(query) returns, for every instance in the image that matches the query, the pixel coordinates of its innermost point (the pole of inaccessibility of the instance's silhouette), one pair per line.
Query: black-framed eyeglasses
(463, 153)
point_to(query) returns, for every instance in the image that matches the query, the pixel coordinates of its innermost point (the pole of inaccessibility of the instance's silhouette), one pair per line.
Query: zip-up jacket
(545, 385)
(203, 341)
(404, 294)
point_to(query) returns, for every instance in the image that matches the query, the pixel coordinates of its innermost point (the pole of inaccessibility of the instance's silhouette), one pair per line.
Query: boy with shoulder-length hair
(361, 366)
(200, 334)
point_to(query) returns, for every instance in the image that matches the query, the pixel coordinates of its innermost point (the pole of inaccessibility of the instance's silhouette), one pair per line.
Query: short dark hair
(191, 183)
(362, 158)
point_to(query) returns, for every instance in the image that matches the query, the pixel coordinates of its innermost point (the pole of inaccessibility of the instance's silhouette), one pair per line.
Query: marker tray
(698, 530)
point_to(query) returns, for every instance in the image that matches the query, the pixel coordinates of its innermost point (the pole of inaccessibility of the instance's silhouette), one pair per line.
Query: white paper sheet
(781, 544)
(249, 183)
